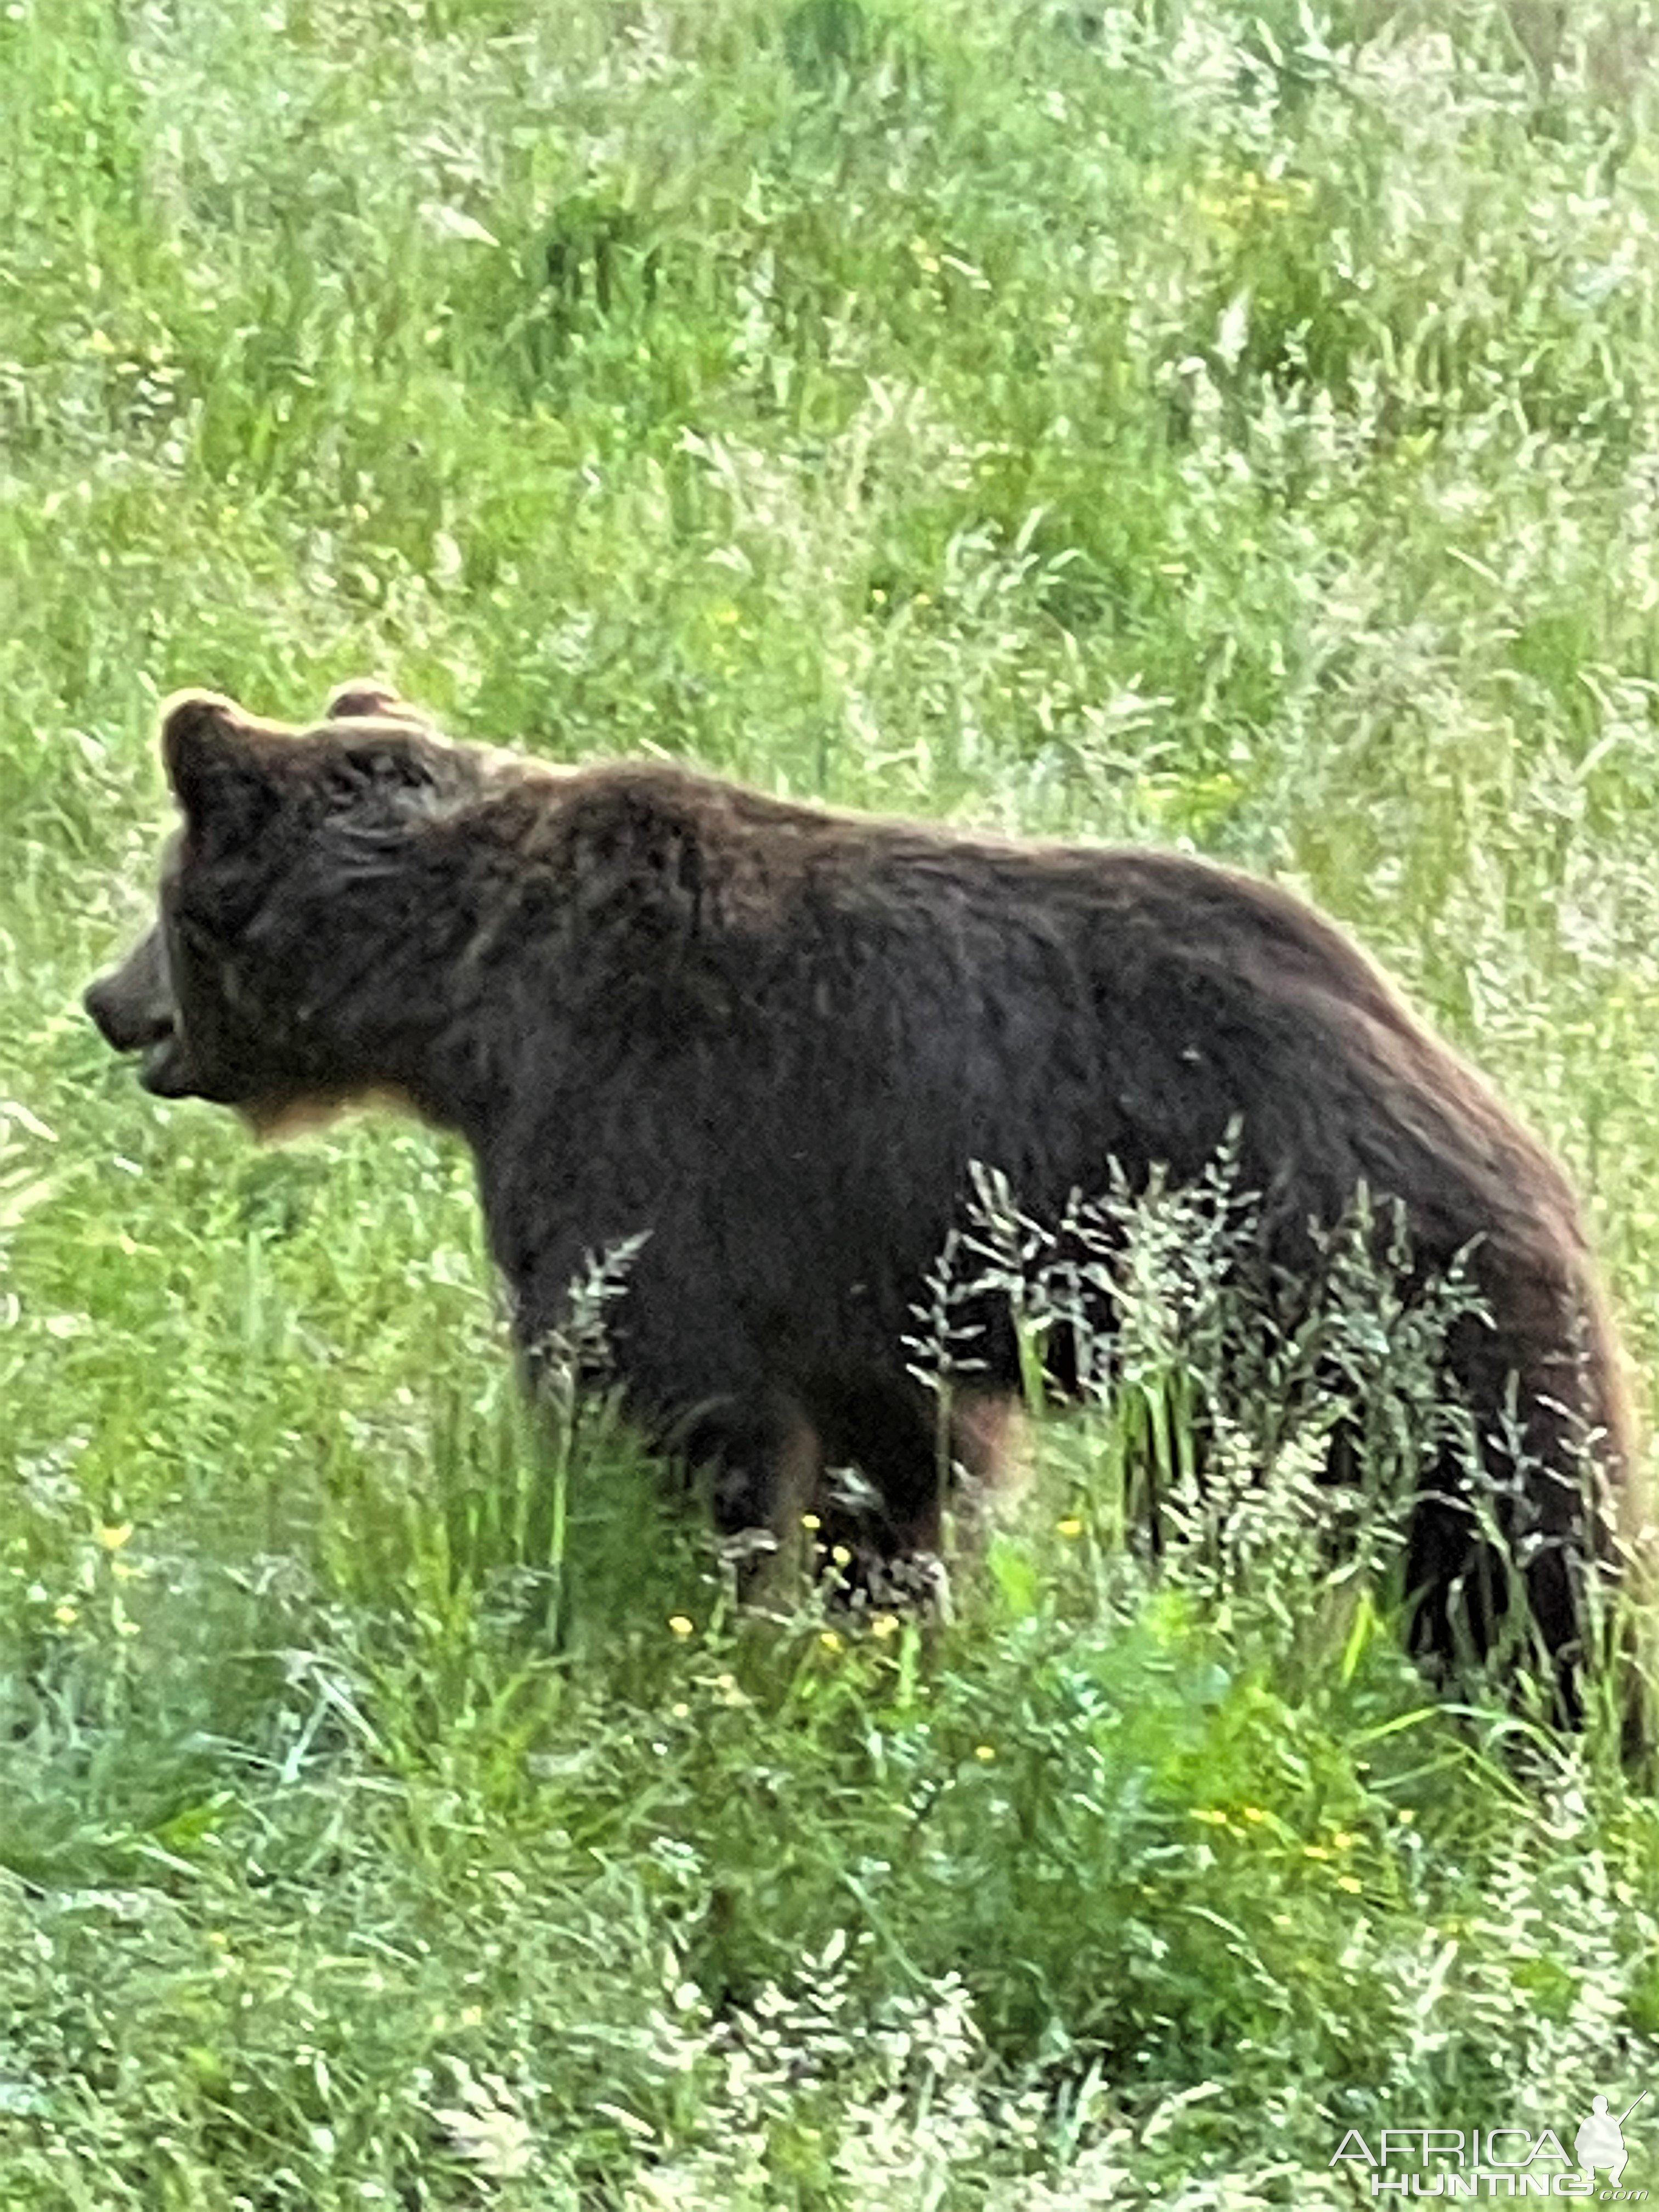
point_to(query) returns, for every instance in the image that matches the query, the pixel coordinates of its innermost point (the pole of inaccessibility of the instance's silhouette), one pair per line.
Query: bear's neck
(464, 1083)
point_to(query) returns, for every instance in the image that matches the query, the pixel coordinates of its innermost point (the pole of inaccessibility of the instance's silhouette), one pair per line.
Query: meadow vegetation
(1226, 422)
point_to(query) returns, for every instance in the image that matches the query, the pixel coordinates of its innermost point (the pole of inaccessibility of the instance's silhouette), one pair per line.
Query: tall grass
(1225, 425)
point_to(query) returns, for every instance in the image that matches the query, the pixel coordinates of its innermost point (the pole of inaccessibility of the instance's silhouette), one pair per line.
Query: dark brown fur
(774, 1037)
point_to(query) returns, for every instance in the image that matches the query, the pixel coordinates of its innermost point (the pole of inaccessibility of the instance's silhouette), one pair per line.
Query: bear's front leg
(763, 1462)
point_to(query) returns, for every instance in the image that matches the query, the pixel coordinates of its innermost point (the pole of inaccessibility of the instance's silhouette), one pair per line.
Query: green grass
(1222, 424)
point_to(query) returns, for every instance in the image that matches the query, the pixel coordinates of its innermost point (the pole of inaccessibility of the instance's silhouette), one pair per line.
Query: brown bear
(775, 1038)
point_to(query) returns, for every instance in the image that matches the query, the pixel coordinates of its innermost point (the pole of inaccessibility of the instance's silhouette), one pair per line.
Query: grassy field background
(1234, 425)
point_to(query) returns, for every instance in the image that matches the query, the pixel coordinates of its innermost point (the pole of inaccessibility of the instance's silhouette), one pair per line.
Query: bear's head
(297, 896)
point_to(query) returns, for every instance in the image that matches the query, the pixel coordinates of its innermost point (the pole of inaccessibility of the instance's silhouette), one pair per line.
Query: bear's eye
(197, 935)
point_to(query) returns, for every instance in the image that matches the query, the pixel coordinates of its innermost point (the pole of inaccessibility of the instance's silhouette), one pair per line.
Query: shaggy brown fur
(775, 1037)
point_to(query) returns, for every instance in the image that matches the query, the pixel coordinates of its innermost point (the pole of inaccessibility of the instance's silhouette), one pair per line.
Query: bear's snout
(130, 1018)
(124, 1026)
(132, 1008)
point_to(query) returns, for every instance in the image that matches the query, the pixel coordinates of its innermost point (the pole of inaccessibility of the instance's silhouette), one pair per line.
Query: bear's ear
(368, 696)
(218, 770)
